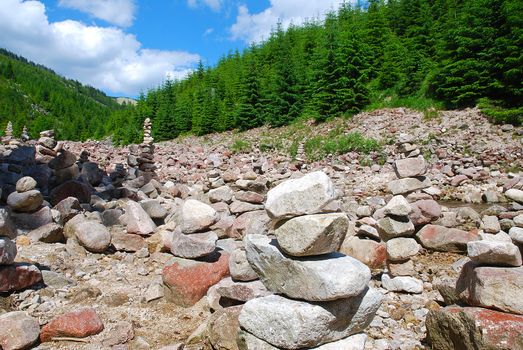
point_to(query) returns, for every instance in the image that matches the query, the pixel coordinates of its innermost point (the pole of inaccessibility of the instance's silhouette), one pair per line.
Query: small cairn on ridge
(322, 296)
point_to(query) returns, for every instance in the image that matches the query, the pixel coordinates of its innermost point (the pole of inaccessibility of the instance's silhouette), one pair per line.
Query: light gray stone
(389, 228)
(50, 233)
(221, 194)
(293, 324)
(516, 233)
(312, 234)
(154, 209)
(240, 268)
(518, 220)
(7, 251)
(93, 236)
(494, 253)
(327, 277)
(402, 284)
(397, 206)
(18, 330)
(515, 195)
(306, 195)
(137, 220)
(27, 183)
(411, 184)
(197, 216)
(410, 167)
(192, 246)
(400, 249)
(247, 341)
(491, 224)
(25, 201)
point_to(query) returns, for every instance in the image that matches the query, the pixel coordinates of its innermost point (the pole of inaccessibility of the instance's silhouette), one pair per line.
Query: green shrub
(499, 114)
(320, 146)
(240, 146)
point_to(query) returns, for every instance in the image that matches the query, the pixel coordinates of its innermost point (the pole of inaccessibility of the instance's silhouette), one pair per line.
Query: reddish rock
(252, 222)
(424, 212)
(71, 188)
(445, 239)
(185, 285)
(76, 324)
(371, 253)
(18, 276)
(455, 327)
(457, 180)
(250, 197)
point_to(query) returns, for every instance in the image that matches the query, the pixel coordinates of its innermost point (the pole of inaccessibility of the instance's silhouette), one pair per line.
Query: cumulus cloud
(118, 12)
(106, 58)
(254, 27)
(215, 5)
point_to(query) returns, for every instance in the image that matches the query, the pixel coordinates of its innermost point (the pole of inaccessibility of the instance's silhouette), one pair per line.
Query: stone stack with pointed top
(46, 147)
(410, 168)
(8, 133)
(141, 157)
(322, 296)
(25, 135)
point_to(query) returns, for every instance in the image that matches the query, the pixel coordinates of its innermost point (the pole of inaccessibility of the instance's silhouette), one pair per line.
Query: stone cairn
(8, 133)
(25, 135)
(141, 157)
(321, 296)
(24, 201)
(46, 146)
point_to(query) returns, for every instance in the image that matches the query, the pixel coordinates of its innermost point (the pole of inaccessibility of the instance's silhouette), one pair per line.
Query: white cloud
(118, 12)
(256, 27)
(106, 58)
(215, 5)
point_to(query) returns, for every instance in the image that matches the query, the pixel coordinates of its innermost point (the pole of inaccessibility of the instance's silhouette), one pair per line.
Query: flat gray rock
(397, 206)
(515, 195)
(293, 324)
(306, 195)
(402, 284)
(327, 277)
(197, 216)
(410, 167)
(410, 184)
(312, 234)
(18, 330)
(389, 228)
(192, 246)
(240, 268)
(400, 249)
(247, 341)
(93, 236)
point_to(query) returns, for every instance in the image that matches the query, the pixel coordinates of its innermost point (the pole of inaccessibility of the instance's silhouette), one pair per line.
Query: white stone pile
(322, 298)
(141, 157)
(397, 230)
(25, 135)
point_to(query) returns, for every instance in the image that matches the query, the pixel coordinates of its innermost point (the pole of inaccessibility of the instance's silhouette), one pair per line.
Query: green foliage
(501, 115)
(319, 147)
(240, 146)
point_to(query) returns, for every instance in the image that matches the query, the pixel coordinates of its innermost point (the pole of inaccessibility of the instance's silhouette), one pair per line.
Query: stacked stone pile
(25, 135)
(141, 157)
(27, 205)
(46, 146)
(8, 133)
(323, 300)
(410, 168)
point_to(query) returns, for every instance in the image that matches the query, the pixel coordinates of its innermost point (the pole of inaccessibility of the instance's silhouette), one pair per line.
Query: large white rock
(327, 277)
(397, 206)
(400, 249)
(410, 167)
(389, 228)
(92, 235)
(247, 341)
(402, 284)
(137, 220)
(494, 253)
(306, 195)
(515, 195)
(312, 234)
(197, 216)
(516, 233)
(293, 324)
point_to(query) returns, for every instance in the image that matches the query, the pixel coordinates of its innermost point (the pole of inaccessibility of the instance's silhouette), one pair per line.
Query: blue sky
(126, 46)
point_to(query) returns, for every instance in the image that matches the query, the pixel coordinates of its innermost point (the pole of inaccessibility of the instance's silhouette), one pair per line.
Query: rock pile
(410, 168)
(322, 296)
(141, 157)
(46, 147)
(25, 135)
(8, 133)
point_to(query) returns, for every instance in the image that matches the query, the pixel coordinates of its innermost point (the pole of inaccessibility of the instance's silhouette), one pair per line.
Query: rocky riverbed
(159, 246)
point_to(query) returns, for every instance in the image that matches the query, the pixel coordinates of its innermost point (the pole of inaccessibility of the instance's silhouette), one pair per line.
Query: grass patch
(240, 146)
(319, 147)
(499, 114)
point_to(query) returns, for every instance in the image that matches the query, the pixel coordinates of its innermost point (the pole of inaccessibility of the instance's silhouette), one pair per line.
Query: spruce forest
(421, 54)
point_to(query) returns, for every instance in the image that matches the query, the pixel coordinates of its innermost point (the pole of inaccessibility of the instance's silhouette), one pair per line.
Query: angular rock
(407, 185)
(371, 253)
(247, 341)
(71, 188)
(410, 167)
(68, 207)
(221, 194)
(7, 228)
(405, 268)
(241, 291)
(25, 201)
(397, 206)
(445, 239)
(92, 173)
(491, 224)
(191, 246)
(64, 160)
(222, 328)
(154, 209)
(312, 234)
(515, 194)
(238, 207)
(306, 325)
(249, 196)
(252, 222)
(402, 284)
(389, 228)
(455, 327)
(327, 277)
(185, 285)
(137, 220)
(25, 184)
(197, 216)
(424, 212)
(66, 174)
(240, 268)
(18, 330)
(127, 242)
(18, 276)
(494, 253)
(111, 217)
(306, 195)
(76, 324)
(492, 287)
(30, 221)
(93, 236)
(400, 249)
(516, 233)
(7, 251)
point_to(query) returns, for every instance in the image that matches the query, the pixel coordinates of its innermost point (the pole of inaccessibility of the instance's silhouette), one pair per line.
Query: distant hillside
(33, 95)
